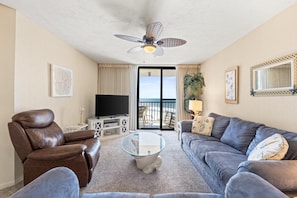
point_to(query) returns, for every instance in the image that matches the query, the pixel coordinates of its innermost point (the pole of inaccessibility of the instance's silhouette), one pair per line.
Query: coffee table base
(148, 163)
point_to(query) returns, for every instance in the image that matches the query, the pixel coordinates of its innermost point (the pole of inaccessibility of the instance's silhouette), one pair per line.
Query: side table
(78, 127)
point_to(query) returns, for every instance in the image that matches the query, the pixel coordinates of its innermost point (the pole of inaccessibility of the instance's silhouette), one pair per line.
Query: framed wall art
(231, 85)
(61, 81)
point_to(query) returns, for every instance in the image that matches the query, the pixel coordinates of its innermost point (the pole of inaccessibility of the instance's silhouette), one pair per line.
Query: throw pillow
(220, 124)
(239, 133)
(274, 147)
(202, 125)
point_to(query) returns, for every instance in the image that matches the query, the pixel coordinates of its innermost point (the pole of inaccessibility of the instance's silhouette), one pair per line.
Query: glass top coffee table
(145, 148)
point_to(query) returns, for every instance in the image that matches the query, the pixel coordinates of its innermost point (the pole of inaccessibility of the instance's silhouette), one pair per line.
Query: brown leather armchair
(41, 145)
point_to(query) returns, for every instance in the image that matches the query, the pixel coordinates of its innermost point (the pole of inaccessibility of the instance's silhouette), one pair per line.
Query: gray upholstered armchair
(41, 145)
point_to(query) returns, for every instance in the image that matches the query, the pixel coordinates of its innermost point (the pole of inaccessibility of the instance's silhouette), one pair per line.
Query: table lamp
(81, 119)
(195, 106)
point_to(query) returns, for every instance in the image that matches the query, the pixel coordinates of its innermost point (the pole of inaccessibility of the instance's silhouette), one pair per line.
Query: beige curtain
(181, 71)
(114, 79)
(133, 98)
(122, 79)
(118, 79)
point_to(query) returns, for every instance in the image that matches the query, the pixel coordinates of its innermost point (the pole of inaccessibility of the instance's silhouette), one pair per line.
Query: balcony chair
(142, 113)
(169, 119)
(41, 145)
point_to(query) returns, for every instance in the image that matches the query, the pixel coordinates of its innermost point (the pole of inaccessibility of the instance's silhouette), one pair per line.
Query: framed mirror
(276, 77)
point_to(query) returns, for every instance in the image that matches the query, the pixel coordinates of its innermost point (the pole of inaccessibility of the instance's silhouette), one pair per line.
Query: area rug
(116, 171)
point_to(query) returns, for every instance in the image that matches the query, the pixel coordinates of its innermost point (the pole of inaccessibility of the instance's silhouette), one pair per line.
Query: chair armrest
(58, 153)
(280, 173)
(249, 185)
(57, 182)
(186, 126)
(79, 135)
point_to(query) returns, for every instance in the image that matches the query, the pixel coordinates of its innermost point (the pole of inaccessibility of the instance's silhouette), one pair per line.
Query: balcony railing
(149, 113)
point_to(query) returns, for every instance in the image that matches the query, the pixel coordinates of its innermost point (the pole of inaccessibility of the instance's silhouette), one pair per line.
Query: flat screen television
(111, 105)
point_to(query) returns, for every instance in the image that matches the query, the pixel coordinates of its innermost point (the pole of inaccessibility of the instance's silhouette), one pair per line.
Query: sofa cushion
(220, 124)
(274, 147)
(224, 164)
(264, 132)
(200, 148)
(187, 138)
(202, 125)
(240, 133)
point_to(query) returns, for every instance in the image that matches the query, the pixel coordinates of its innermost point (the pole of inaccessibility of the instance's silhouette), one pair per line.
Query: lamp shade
(195, 105)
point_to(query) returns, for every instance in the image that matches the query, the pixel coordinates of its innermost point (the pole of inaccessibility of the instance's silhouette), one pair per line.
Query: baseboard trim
(19, 179)
(11, 183)
(6, 185)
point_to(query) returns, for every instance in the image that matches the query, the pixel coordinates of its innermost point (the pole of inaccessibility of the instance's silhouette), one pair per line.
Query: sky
(150, 87)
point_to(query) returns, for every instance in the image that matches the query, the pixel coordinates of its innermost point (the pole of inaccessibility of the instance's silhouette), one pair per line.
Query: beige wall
(25, 81)
(273, 39)
(7, 48)
(36, 49)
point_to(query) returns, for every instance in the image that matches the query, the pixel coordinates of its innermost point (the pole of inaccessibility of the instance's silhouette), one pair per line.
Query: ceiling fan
(150, 42)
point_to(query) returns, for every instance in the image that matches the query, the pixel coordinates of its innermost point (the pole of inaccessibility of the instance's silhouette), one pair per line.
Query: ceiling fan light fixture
(150, 41)
(149, 48)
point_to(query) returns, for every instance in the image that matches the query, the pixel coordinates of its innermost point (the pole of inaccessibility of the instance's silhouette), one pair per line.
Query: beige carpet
(116, 171)
(7, 192)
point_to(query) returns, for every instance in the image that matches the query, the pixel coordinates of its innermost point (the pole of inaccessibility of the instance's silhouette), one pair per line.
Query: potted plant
(193, 84)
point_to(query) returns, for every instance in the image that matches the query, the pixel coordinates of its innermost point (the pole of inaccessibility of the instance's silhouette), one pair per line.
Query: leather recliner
(41, 145)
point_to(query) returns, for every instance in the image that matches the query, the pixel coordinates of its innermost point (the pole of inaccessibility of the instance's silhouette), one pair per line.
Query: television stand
(109, 127)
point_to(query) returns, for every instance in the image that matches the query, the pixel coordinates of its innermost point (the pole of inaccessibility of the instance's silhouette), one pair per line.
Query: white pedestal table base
(148, 163)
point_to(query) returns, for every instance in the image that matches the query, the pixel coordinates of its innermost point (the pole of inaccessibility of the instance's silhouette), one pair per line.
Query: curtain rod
(114, 65)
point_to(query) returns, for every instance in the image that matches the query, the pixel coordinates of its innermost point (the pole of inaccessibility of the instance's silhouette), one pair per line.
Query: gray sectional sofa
(62, 182)
(225, 153)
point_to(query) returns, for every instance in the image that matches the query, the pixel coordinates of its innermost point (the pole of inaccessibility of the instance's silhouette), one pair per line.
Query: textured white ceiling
(208, 26)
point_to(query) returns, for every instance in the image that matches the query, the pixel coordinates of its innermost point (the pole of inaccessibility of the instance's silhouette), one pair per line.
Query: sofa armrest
(57, 153)
(249, 185)
(280, 173)
(58, 182)
(79, 135)
(186, 126)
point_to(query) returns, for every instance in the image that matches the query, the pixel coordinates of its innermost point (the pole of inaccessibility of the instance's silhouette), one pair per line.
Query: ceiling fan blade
(171, 42)
(159, 51)
(129, 38)
(134, 49)
(154, 30)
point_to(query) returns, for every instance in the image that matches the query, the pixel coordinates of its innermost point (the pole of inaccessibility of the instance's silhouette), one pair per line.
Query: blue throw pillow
(220, 124)
(240, 133)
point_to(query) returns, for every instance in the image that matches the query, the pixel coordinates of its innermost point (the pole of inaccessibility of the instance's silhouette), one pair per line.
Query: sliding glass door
(156, 98)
